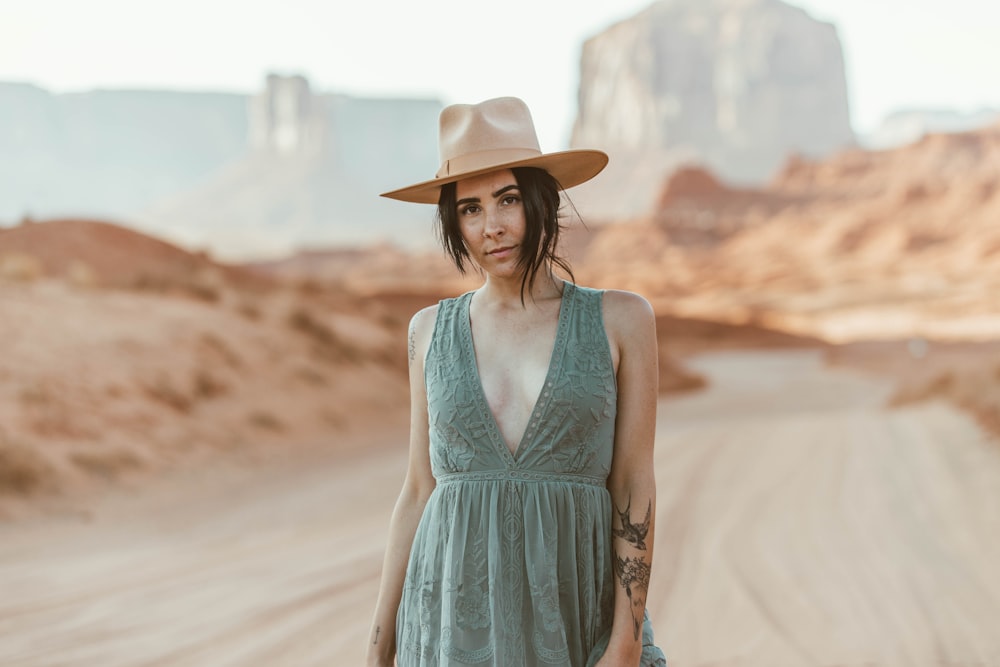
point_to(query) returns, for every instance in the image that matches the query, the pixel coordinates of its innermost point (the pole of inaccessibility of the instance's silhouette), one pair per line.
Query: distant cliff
(734, 85)
(110, 153)
(312, 175)
(236, 174)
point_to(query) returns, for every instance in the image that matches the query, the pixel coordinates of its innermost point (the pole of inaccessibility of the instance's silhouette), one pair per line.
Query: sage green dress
(511, 564)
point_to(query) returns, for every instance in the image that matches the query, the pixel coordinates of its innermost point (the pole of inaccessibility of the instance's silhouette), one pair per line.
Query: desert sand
(800, 523)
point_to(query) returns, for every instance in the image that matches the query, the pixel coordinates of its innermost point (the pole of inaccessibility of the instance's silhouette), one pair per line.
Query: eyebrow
(475, 200)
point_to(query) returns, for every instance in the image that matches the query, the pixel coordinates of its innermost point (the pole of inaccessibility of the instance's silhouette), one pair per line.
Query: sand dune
(799, 523)
(106, 386)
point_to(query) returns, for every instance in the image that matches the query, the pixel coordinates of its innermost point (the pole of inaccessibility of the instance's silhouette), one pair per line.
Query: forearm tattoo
(377, 631)
(633, 533)
(633, 571)
(633, 574)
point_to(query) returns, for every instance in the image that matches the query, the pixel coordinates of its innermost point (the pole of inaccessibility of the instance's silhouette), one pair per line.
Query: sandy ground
(799, 523)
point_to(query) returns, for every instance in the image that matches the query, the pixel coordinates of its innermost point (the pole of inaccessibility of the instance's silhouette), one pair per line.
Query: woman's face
(491, 219)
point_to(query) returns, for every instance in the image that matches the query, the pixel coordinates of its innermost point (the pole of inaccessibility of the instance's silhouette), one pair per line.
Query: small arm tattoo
(633, 574)
(377, 630)
(633, 533)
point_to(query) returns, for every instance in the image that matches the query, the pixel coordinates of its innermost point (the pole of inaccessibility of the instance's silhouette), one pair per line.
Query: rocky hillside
(152, 358)
(901, 242)
(865, 243)
(96, 253)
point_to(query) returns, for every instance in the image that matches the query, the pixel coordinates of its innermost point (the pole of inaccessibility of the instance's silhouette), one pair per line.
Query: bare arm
(417, 487)
(632, 332)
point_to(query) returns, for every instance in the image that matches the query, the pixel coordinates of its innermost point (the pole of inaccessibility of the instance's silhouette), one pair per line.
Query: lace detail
(417, 638)
(519, 475)
(463, 656)
(511, 562)
(559, 656)
(472, 595)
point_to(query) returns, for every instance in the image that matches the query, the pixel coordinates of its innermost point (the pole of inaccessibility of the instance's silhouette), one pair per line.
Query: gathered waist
(519, 476)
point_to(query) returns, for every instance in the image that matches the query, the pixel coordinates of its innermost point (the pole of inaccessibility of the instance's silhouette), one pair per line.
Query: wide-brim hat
(476, 139)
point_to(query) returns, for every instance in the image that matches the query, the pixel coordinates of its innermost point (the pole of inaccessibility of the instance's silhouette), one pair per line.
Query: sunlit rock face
(736, 85)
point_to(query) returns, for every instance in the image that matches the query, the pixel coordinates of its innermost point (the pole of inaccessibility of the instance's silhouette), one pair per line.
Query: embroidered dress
(511, 564)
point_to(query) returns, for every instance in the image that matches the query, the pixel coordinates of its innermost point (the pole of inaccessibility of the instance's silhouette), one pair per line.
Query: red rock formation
(884, 242)
(103, 253)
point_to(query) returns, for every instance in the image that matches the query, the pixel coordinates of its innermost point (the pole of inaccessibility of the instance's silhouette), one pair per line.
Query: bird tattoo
(633, 533)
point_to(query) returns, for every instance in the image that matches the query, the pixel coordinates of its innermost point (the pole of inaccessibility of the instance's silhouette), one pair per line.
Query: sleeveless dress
(511, 564)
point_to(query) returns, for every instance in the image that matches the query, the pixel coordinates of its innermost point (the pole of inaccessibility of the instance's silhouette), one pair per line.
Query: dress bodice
(572, 425)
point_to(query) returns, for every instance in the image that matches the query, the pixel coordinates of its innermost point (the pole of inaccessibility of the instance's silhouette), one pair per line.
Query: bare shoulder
(627, 311)
(422, 321)
(629, 322)
(420, 330)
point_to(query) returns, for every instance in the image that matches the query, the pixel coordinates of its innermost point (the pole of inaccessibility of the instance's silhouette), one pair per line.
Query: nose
(493, 224)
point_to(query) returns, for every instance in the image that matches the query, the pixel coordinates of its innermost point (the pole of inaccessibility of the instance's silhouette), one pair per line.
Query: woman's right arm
(417, 487)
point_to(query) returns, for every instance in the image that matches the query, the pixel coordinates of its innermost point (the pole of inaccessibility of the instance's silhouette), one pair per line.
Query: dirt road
(798, 524)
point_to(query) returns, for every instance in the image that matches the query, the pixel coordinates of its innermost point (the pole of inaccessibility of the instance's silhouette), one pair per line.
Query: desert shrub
(206, 385)
(975, 389)
(107, 464)
(326, 341)
(310, 287)
(265, 420)
(940, 385)
(333, 417)
(248, 311)
(163, 390)
(22, 470)
(201, 291)
(675, 379)
(989, 250)
(199, 287)
(80, 274)
(48, 413)
(220, 347)
(311, 376)
(21, 268)
(35, 394)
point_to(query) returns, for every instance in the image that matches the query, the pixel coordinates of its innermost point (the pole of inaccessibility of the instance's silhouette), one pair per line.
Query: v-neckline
(544, 393)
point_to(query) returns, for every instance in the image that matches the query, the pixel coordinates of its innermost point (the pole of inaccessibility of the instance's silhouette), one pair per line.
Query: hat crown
(470, 130)
(496, 134)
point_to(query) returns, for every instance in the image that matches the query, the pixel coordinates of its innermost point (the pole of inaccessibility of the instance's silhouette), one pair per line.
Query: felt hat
(496, 134)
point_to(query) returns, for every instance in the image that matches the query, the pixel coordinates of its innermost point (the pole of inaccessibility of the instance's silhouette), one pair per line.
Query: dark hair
(540, 197)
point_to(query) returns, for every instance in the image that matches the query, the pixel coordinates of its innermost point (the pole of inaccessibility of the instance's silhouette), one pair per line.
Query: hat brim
(569, 168)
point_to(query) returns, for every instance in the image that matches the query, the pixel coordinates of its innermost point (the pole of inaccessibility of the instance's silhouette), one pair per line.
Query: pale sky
(899, 53)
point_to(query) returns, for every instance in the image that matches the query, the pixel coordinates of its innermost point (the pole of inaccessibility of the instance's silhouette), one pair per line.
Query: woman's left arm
(631, 326)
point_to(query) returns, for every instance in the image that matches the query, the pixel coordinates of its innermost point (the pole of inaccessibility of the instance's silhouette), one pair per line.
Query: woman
(524, 530)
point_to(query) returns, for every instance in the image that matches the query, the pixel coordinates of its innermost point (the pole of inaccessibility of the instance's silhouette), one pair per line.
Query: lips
(500, 251)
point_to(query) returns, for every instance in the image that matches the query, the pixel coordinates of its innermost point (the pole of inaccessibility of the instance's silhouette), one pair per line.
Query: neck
(507, 292)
